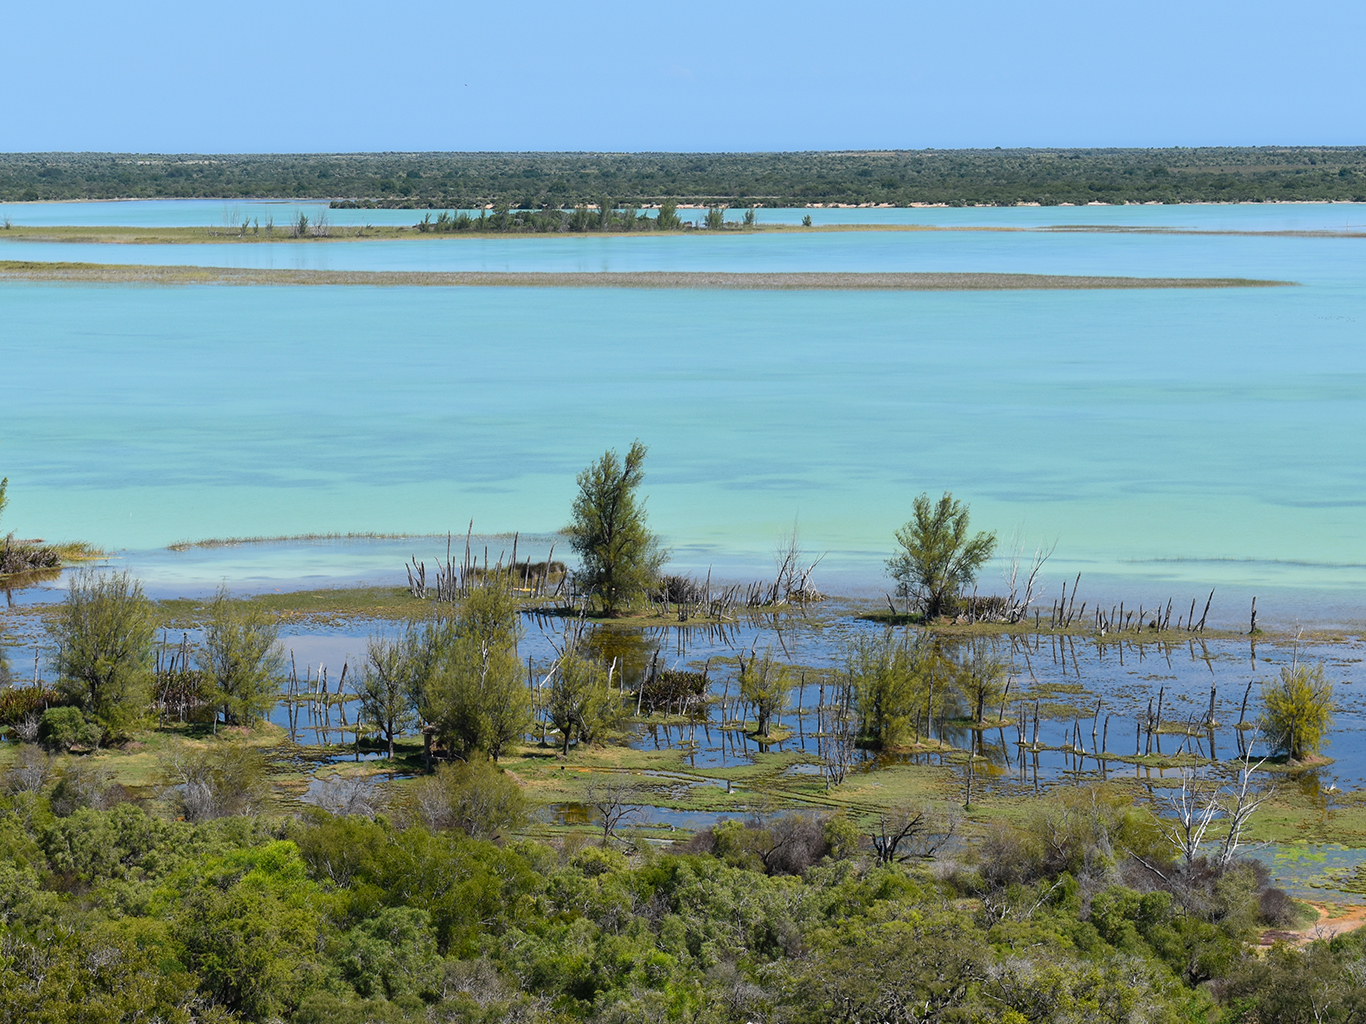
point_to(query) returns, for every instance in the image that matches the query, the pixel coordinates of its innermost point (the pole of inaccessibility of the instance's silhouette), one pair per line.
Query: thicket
(113, 911)
(535, 181)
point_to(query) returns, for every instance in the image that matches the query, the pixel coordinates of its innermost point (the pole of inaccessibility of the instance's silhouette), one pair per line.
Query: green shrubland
(113, 909)
(568, 181)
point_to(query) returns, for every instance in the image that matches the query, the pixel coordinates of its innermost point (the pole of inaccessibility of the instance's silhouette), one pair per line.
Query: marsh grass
(229, 542)
(21, 560)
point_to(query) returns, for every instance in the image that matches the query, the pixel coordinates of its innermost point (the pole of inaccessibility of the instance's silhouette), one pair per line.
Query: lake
(1168, 441)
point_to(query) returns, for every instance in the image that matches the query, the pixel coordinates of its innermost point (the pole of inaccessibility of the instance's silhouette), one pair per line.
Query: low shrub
(65, 728)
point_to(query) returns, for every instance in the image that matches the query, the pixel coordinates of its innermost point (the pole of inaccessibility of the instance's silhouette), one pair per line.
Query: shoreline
(372, 563)
(681, 206)
(98, 273)
(118, 234)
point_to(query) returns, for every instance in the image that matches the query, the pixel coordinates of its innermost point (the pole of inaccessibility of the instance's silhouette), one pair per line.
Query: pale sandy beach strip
(96, 273)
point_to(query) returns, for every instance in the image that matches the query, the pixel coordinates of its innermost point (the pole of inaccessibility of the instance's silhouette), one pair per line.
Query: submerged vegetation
(564, 181)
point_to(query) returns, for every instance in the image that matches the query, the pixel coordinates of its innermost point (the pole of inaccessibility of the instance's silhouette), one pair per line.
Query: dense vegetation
(566, 180)
(119, 911)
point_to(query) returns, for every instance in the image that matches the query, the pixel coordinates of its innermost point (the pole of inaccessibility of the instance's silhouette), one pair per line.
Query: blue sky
(663, 75)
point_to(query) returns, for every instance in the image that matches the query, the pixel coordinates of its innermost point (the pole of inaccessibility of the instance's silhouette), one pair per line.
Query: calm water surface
(1169, 441)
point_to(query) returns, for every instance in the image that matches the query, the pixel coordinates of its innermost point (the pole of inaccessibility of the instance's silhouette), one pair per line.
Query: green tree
(937, 557)
(1297, 710)
(104, 633)
(608, 530)
(582, 703)
(473, 691)
(668, 219)
(981, 678)
(765, 684)
(4, 486)
(889, 686)
(242, 655)
(386, 685)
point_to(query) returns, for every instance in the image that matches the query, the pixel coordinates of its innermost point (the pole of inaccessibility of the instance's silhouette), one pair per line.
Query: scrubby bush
(778, 844)
(83, 784)
(66, 728)
(31, 771)
(476, 798)
(217, 783)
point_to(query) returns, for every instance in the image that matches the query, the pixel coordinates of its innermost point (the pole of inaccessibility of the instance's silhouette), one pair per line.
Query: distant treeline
(537, 181)
(604, 216)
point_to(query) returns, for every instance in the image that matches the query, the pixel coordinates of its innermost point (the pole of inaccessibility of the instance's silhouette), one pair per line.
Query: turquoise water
(224, 213)
(1169, 441)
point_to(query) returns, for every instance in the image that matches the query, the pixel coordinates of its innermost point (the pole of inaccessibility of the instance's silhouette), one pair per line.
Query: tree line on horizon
(537, 181)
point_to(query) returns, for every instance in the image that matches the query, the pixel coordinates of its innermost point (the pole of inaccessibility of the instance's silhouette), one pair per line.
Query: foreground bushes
(108, 914)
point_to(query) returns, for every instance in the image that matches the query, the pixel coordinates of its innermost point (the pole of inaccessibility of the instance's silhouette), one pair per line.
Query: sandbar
(98, 273)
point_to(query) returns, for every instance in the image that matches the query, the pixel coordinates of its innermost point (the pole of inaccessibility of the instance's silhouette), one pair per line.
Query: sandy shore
(96, 273)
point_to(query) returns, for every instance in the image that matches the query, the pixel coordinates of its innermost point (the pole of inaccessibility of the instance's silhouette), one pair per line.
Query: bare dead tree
(838, 728)
(901, 833)
(1241, 801)
(1193, 810)
(793, 582)
(1017, 604)
(614, 803)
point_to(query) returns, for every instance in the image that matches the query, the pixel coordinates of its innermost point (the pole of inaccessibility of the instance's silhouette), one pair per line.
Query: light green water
(1167, 440)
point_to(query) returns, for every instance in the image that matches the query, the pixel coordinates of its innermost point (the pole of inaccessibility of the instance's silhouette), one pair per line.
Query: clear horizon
(605, 76)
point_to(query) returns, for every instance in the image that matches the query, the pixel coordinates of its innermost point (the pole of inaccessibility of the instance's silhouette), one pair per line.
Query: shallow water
(1321, 261)
(229, 213)
(1168, 440)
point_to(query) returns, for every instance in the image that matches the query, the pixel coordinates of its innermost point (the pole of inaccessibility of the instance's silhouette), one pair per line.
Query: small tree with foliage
(620, 557)
(1298, 710)
(582, 703)
(104, 633)
(765, 684)
(888, 679)
(242, 655)
(386, 684)
(468, 678)
(668, 219)
(937, 557)
(981, 678)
